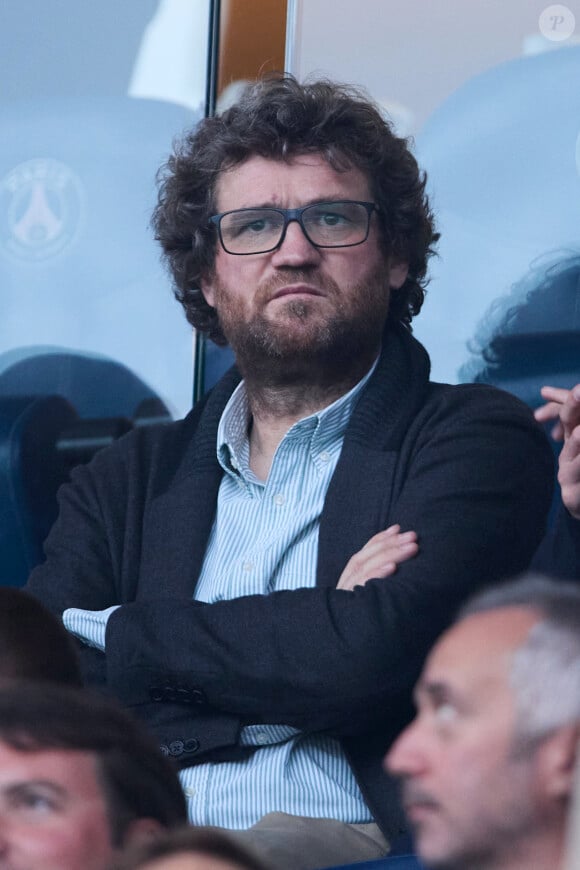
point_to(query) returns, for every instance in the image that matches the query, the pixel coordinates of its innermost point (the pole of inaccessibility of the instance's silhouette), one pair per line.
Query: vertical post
(210, 104)
(293, 37)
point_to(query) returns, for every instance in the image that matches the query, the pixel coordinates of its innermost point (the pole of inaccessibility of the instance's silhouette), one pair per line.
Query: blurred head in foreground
(189, 849)
(78, 780)
(487, 765)
(34, 645)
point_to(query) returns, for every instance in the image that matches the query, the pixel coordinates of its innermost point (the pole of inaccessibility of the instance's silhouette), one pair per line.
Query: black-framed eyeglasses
(340, 224)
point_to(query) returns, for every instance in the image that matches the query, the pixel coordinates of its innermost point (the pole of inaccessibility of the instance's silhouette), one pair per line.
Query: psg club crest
(40, 209)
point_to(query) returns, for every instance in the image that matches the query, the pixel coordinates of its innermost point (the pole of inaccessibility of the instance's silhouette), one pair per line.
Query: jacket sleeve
(559, 553)
(84, 552)
(475, 484)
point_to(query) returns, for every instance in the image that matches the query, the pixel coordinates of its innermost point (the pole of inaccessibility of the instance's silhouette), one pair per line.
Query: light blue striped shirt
(265, 538)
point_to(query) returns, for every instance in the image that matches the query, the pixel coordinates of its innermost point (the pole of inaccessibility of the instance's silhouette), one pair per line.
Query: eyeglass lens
(329, 224)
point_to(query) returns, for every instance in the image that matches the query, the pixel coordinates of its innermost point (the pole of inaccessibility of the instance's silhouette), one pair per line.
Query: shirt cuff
(89, 626)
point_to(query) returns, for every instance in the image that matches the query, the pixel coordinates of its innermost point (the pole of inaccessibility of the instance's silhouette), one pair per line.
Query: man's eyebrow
(435, 691)
(330, 198)
(14, 788)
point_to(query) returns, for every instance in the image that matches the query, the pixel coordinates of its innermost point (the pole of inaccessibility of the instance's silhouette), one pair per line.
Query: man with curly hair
(262, 580)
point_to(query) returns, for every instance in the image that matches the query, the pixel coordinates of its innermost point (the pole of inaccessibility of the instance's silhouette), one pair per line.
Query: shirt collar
(325, 426)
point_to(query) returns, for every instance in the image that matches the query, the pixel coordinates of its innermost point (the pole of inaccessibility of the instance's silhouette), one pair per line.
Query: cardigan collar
(358, 498)
(390, 399)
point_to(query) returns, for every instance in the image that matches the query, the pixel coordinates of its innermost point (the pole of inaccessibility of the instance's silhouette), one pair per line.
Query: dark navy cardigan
(465, 466)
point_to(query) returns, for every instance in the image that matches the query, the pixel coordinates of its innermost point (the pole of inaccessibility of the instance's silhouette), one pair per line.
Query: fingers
(551, 411)
(554, 394)
(379, 557)
(562, 405)
(569, 472)
(548, 412)
(570, 411)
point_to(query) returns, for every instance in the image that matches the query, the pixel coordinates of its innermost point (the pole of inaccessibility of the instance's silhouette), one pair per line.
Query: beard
(310, 342)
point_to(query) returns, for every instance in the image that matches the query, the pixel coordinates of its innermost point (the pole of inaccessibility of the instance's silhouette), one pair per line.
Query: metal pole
(210, 104)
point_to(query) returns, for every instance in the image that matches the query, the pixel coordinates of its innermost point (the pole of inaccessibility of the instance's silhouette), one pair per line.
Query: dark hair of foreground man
(209, 843)
(34, 645)
(137, 780)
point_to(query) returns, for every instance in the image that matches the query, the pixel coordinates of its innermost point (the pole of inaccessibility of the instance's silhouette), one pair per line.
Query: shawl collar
(358, 498)
(180, 517)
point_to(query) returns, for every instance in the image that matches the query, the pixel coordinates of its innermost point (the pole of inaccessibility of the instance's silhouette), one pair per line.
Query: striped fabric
(265, 538)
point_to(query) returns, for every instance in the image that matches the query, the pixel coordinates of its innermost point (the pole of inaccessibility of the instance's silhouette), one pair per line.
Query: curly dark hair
(279, 118)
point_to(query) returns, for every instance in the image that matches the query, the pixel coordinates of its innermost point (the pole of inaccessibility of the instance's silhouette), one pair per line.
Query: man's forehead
(47, 759)
(478, 649)
(262, 176)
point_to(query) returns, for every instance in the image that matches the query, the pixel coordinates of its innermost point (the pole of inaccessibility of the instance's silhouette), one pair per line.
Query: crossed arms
(386, 550)
(471, 477)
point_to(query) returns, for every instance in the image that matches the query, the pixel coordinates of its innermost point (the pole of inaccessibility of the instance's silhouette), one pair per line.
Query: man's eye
(331, 219)
(34, 802)
(254, 227)
(445, 714)
(257, 226)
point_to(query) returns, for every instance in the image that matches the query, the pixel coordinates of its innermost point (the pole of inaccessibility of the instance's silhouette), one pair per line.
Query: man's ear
(398, 275)
(141, 830)
(207, 288)
(559, 755)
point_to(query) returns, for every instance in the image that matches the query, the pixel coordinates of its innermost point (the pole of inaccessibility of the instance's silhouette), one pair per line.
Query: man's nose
(295, 249)
(408, 754)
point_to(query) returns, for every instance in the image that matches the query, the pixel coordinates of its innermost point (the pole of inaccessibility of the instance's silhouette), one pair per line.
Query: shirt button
(248, 566)
(279, 499)
(261, 739)
(189, 792)
(324, 456)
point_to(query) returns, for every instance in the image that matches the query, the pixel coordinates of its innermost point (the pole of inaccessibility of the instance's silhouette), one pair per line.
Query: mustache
(412, 794)
(283, 277)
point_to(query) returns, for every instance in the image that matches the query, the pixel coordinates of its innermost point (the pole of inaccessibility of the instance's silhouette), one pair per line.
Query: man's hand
(564, 406)
(379, 557)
